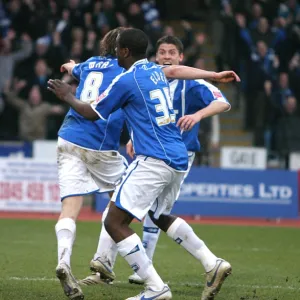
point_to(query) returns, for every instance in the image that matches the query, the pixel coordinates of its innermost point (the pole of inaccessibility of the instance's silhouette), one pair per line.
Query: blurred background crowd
(259, 39)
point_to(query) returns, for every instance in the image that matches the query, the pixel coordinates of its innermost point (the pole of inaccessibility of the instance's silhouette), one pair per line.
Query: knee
(163, 222)
(160, 222)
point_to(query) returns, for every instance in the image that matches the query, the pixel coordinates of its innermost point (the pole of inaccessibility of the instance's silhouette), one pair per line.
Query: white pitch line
(192, 284)
(32, 279)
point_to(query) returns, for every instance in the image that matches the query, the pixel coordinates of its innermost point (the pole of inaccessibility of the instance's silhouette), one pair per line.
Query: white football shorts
(82, 171)
(148, 183)
(191, 160)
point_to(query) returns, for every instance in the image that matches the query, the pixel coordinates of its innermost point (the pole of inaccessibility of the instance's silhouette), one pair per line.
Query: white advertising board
(294, 161)
(243, 158)
(43, 149)
(29, 185)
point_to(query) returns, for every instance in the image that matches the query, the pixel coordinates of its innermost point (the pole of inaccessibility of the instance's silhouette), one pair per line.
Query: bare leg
(130, 246)
(66, 231)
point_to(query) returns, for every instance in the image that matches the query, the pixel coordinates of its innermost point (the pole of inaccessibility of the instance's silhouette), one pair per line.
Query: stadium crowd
(37, 37)
(259, 39)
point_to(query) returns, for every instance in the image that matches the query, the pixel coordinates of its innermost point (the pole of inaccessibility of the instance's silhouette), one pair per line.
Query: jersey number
(165, 104)
(92, 83)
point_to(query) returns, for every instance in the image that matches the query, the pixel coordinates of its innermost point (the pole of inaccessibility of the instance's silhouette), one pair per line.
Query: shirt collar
(141, 61)
(138, 62)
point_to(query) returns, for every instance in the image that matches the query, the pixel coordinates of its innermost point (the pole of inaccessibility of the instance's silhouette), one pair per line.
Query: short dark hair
(169, 39)
(109, 42)
(135, 40)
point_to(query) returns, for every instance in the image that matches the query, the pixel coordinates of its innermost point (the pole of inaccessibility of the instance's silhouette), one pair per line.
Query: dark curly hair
(109, 42)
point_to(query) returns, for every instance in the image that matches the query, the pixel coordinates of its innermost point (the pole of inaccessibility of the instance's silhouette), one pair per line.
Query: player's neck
(131, 60)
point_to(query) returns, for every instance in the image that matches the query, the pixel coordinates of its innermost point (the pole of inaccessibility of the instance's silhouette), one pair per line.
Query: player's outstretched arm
(184, 72)
(63, 91)
(187, 122)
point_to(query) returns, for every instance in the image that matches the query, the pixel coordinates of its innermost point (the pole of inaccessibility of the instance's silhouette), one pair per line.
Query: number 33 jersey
(143, 94)
(94, 76)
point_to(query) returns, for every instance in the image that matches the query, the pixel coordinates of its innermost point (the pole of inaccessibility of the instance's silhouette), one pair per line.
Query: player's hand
(129, 149)
(59, 88)
(67, 67)
(187, 122)
(226, 76)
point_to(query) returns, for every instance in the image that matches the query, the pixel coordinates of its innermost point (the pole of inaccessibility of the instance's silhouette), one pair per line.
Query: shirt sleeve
(76, 72)
(204, 93)
(113, 98)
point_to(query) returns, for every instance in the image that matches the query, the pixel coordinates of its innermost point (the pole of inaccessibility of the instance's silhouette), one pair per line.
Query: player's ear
(181, 56)
(126, 52)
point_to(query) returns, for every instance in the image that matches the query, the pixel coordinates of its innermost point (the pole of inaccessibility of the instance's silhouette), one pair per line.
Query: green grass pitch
(265, 261)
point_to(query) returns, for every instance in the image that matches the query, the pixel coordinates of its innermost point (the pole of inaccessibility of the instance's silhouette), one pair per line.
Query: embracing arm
(183, 72)
(216, 107)
(82, 108)
(63, 91)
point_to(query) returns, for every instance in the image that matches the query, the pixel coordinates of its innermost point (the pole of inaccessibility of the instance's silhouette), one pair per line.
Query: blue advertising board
(235, 193)
(239, 193)
(17, 149)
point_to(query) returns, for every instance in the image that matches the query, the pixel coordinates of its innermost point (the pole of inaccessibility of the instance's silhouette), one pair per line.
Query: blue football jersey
(94, 76)
(144, 95)
(189, 96)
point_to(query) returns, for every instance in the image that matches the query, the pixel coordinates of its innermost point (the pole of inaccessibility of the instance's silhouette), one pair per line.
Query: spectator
(41, 74)
(76, 14)
(136, 16)
(4, 22)
(90, 45)
(106, 15)
(33, 114)
(150, 11)
(287, 134)
(262, 67)
(8, 57)
(193, 52)
(278, 94)
(255, 15)
(50, 50)
(294, 74)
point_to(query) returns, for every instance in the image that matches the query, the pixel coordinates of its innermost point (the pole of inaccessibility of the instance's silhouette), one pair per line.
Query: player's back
(151, 115)
(94, 76)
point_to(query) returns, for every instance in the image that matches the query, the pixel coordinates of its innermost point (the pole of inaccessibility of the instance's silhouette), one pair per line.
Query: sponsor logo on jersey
(102, 96)
(217, 94)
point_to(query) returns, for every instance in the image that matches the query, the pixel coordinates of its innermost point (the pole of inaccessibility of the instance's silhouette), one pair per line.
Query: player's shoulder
(146, 65)
(100, 62)
(124, 78)
(201, 84)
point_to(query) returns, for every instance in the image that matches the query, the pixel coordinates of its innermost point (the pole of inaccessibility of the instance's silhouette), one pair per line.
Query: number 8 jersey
(94, 76)
(143, 94)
